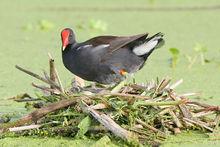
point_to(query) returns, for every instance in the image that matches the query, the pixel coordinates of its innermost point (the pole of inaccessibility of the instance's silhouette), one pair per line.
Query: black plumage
(106, 59)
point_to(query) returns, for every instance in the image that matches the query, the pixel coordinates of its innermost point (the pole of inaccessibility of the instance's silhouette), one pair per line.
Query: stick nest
(136, 113)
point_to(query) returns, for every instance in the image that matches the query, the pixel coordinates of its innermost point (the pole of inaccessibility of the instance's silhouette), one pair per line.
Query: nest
(136, 113)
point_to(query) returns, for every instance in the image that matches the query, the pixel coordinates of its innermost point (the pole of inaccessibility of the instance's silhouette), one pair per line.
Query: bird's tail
(151, 43)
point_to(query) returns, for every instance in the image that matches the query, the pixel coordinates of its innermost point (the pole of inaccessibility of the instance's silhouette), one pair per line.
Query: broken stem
(110, 124)
(37, 76)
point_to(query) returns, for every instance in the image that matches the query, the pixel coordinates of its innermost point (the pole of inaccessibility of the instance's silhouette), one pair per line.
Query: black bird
(107, 59)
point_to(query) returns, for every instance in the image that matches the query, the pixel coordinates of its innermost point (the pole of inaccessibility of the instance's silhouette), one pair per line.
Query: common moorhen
(107, 59)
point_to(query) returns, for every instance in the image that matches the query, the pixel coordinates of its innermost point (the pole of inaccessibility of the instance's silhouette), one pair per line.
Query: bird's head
(67, 37)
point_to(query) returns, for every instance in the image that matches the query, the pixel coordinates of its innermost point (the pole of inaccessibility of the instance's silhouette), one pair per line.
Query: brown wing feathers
(115, 42)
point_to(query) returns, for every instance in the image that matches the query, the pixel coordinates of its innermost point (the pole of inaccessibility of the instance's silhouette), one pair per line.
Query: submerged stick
(20, 97)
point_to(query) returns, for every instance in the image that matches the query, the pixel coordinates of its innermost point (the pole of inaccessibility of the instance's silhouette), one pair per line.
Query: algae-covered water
(31, 29)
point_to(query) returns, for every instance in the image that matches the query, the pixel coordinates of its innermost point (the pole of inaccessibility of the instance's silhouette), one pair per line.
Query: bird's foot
(77, 85)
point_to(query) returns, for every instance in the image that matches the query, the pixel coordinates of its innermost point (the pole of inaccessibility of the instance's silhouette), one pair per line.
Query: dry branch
(109, 124)
(54, 73)
(22, 128)
(127, 105)
(150, 127)
(39, 113)
(44, 88)
(38, 77)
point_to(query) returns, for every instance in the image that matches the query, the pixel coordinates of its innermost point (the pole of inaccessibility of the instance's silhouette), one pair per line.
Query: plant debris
(136, 113)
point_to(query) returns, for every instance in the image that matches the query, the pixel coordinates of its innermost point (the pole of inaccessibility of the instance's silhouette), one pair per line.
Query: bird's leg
(77, 84)
(80, 82)
(129, 78)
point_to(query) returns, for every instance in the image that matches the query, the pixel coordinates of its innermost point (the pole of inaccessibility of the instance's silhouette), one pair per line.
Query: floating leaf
(175, 56)
(104, 141)
(200, 48)
(80, 26)
(83, 127)
(98, 25)
(45, 25)
(28, 27)
(174, 51)
(191, 60)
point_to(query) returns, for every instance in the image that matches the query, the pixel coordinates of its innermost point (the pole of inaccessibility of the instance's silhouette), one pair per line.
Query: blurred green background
(31, 29)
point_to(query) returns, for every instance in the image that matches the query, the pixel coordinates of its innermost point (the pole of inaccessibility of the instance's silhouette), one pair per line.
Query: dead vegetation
(136, 113)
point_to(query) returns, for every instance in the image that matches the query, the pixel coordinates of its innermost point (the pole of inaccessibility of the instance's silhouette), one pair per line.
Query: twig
(185, 111)
(202, 113)
(20, 96)
(125, 95)
(150, 127)
(217, 121)
(52, 72)
(176, 84)
(198, 123)
(118, 87)
(162, 85)
(55, 73)
(137, 87)
(175, 119)
(176, 130)
(59, 81)
(199, 104)
(39, 113)
(46, 75)
(38, 77)
(165, 103)
(22, 128)
(99, 106)
(166, 110)
(189, 94)
(43, 88)
(109, 124)
(27, 100)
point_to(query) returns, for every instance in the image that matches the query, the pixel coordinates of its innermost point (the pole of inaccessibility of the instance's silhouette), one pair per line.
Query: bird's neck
(70, 47)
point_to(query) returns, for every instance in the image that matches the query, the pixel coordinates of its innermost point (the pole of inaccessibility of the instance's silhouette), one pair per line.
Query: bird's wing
(115, 42)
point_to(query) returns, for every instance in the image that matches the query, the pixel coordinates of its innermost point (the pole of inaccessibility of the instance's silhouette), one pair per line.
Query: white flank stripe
(145, 48)
(84, 46)
(99, 47)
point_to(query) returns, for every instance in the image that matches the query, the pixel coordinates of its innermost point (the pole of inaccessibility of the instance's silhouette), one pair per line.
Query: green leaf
(98, 25)
(83, 127)
(45, 25)
(103, 142)
(174, 51)
(200, 48)
(175, 56)
(28, 27)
